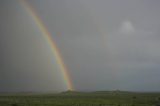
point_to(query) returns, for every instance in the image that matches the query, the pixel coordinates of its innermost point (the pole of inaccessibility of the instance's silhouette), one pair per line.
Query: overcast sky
(106, 45)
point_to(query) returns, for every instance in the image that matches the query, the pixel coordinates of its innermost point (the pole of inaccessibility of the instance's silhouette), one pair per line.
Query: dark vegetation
(69, 98)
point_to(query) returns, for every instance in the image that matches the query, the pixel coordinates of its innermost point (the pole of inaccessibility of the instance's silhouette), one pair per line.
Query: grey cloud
(98, 54)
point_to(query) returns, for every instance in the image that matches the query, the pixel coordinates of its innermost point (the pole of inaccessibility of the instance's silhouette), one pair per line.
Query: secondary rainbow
(47, 35)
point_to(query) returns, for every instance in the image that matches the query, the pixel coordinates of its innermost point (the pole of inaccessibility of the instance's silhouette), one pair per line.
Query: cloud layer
(106, 44)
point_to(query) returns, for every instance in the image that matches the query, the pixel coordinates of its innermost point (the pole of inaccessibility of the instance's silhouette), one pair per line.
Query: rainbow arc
(47, 35)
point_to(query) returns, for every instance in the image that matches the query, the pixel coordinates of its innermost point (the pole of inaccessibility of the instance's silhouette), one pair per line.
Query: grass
(103, 98)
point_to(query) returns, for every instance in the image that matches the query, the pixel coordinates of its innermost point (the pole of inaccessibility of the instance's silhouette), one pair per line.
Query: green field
(105, 98)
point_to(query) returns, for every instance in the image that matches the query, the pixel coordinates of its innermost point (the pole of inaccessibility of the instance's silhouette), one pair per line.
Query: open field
(104, 98)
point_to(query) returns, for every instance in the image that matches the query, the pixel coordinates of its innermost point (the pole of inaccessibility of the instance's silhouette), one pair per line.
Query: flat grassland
(100, 98)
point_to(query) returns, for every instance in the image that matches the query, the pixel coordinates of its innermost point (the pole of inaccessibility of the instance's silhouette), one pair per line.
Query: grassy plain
(100, 98)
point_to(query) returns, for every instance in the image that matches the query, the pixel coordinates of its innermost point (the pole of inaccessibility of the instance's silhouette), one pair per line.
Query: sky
(105, 44)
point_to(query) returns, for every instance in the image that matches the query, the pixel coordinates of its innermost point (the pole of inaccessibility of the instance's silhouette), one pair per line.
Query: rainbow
(47, 35)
